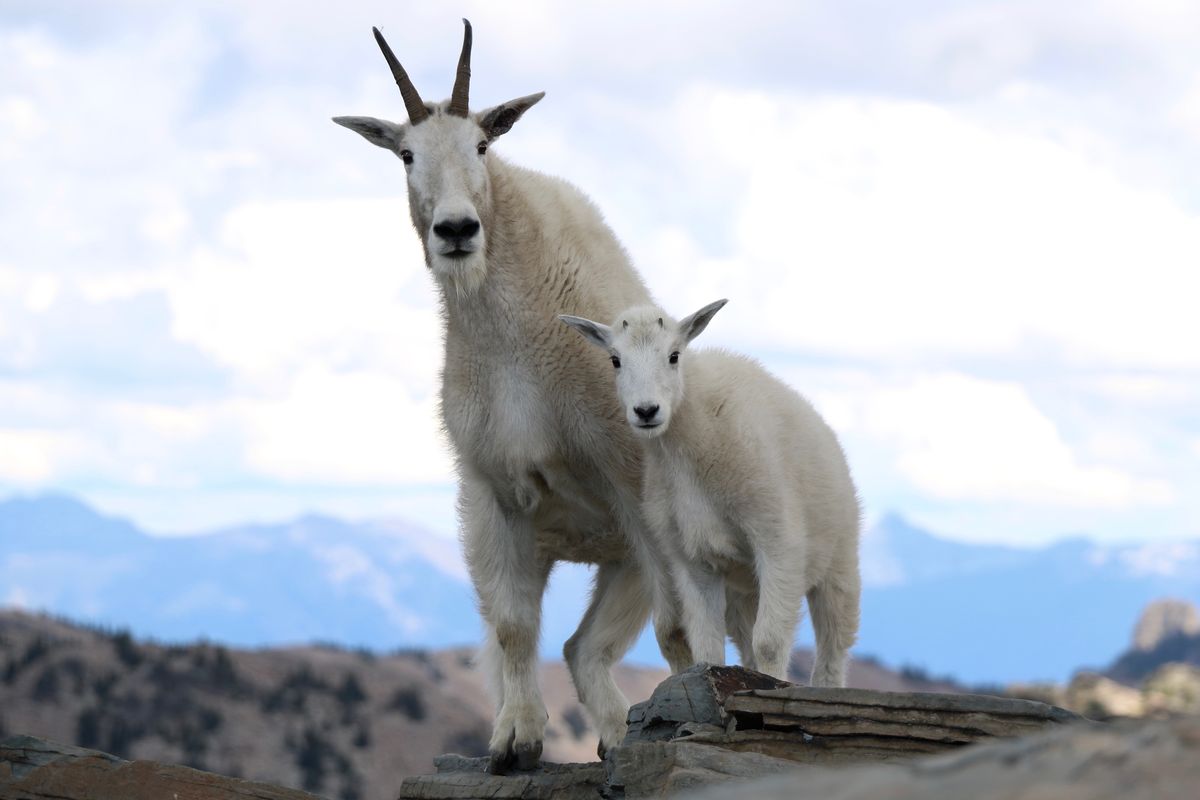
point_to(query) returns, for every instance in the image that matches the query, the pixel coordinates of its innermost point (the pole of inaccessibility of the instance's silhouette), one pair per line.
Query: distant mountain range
(980, 613)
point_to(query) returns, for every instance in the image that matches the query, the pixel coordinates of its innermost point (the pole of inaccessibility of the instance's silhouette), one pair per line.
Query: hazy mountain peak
(64, 520)
(1164, 619)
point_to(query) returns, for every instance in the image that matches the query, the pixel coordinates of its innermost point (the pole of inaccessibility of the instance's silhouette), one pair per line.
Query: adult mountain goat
(746, 488)
(547, 471)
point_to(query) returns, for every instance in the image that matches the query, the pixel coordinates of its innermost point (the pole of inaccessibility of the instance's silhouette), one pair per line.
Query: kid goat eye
(616, 362)
(674, 357)
(481, 148)
(406, 156)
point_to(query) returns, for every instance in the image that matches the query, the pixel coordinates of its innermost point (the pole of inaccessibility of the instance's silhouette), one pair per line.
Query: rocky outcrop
(1098, 697)
(712, 725)
(1173, 688)
(37, 769)
(1168, 632)
(1126, 760)
(1164, 619)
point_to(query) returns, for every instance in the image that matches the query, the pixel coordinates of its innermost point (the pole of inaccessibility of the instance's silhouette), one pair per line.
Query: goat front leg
(651, 537)
(702, 596)
(509, 579)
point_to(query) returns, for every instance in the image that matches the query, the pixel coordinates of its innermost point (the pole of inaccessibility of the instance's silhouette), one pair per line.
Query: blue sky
(970, 232)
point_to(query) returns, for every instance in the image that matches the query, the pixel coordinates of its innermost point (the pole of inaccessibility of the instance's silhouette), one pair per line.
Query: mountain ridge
(984, 613)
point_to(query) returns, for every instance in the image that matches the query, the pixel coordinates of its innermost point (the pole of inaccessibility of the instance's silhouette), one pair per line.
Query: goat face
(645, 347)
(444, 150)
(449, 193)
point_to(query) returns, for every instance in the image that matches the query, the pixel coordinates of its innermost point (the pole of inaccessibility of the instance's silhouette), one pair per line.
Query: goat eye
(406, 156)
(616, 362)
(481, 148)
(674, 357)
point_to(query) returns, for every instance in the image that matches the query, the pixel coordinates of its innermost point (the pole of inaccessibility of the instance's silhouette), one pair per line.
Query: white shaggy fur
(746, 488)
(547, 472)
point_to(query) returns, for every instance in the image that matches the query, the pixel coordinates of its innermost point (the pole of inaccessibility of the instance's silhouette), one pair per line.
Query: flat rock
(950, 719)
(37, 769)
(1127, 760)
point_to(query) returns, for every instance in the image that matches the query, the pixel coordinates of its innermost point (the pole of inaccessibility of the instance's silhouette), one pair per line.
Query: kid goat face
(646, 347)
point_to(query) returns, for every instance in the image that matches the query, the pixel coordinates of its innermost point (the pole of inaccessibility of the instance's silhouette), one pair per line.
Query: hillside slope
(346, 724)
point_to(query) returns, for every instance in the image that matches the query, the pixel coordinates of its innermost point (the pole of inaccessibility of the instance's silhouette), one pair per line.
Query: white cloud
(339, 280)
(1161, 558)
(206, 282)
(959, 438)
(346, 428)
(32, 456)
(43, 290)
(890, 229)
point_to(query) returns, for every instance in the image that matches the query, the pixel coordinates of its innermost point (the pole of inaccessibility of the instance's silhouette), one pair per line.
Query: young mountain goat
(546, 472)
(746, 488)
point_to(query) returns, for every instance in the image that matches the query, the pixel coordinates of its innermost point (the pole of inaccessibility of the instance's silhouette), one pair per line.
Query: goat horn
(412, 100)
(462, 79)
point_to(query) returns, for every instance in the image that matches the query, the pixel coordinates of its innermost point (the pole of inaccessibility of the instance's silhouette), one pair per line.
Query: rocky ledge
(722, 732)
(716, 724)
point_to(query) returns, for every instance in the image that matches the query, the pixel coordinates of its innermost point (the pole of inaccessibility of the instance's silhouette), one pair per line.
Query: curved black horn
(412, 101)
(462, 79)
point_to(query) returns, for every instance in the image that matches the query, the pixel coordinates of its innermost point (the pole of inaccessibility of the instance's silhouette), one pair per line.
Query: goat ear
(499, 119)
(692, 326)
(594, 332)
(376, 131)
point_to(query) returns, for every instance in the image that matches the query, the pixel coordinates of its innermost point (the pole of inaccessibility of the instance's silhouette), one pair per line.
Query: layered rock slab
(712, 724)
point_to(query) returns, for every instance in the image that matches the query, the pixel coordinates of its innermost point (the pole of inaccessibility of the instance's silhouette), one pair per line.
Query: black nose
(457, 229)
(645, 413)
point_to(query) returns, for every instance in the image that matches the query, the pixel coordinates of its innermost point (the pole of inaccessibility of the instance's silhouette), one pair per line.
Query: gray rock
(694, 696)
(461, 778)
(710, 725)
(950, 719)
(661, 769)
(1129, 760)
(1164, 619)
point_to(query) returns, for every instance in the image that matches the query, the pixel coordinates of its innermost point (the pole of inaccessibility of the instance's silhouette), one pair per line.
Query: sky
(969, 232)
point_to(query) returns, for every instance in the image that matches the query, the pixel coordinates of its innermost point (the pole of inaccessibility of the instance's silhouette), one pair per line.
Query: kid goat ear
(596, 333)
(692, 326)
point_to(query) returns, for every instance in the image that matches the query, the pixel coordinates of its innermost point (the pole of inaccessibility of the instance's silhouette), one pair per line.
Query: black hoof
(528, 755)
(601, 751)
(500, 763)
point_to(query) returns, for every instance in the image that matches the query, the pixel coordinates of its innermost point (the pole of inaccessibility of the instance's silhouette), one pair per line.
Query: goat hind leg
(834, 605)
(780, 598)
